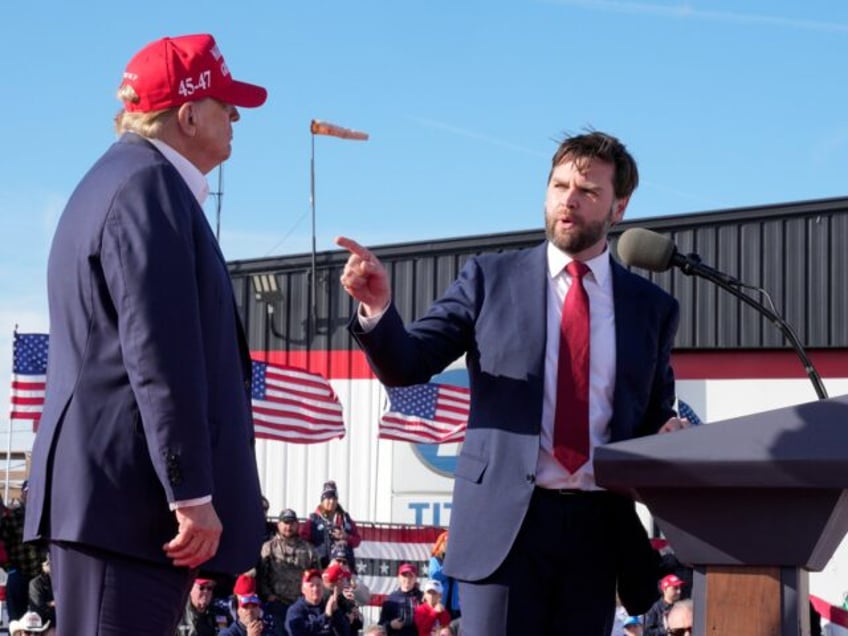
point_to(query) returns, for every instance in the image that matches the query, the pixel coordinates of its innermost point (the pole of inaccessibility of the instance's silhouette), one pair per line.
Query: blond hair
(145, 124)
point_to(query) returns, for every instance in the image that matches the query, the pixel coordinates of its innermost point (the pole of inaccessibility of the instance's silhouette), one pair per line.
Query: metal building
(797, 252)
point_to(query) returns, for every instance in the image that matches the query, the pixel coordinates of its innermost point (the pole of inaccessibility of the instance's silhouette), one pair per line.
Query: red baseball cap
(308, 575)
(670, 581)
(172, 71)
(335, 572)
(408, 568)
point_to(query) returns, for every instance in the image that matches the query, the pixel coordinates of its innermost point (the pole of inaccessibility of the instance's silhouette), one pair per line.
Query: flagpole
(317, 127)
(218, 203)
(9, 440)
(313, 309)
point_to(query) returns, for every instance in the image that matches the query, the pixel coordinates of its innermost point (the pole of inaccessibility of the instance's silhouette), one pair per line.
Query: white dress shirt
(598, 285)
(194, 178)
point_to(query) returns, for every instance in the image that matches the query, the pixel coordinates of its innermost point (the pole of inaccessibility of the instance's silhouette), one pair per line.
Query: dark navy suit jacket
(148, 372)
(495, 313)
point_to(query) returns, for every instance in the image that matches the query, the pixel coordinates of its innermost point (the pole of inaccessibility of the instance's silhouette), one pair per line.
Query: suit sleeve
(401, 356)
(148, 261)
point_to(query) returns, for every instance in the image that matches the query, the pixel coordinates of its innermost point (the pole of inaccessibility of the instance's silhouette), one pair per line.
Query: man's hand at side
(198, 534)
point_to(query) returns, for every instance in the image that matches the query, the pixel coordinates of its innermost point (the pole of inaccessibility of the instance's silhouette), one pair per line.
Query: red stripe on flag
(399, 534)
(831, 613)
(25, 385)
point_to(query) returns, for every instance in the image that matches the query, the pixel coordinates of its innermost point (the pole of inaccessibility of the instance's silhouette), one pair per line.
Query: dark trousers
(559, 577)
(101, 593)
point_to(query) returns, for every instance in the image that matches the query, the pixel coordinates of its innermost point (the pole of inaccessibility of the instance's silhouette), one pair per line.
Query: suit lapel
(529, 297)
(629, 325)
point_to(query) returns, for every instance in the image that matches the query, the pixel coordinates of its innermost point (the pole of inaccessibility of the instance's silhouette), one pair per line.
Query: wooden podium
(752, 503)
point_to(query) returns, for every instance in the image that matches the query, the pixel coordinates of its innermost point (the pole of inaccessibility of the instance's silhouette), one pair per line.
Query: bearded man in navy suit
(537, 546)
(143, 466)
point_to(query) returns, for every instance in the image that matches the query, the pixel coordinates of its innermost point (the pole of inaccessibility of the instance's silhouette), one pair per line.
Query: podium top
(801, 446)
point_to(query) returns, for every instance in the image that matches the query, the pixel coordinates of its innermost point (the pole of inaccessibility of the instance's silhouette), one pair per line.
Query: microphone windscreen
(643, 248)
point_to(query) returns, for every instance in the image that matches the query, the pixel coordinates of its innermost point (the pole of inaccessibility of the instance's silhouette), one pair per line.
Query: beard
(580, 237)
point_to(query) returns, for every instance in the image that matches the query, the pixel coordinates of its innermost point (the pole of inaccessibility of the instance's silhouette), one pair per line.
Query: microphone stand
(693, 266)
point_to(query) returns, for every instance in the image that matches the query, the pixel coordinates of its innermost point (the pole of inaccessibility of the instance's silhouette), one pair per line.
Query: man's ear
(618, 208)
(186, 117)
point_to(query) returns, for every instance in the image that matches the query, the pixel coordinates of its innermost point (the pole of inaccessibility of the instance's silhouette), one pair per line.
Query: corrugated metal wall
(797, 252)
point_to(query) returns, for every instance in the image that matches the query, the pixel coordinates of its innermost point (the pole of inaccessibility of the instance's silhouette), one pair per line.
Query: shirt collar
(194, 179)
(599, 265)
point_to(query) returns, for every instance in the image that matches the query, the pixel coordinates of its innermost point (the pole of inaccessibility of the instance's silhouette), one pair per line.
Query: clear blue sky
(723, 103)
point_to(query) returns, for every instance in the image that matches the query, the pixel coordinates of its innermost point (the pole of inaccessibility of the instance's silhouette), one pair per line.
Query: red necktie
(571, 420)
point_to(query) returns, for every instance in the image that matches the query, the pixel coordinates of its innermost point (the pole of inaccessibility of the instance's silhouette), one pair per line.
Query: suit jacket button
(531, 479)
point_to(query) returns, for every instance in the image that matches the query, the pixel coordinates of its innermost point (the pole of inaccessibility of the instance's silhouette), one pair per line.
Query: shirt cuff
(188, 503)
(369, 322)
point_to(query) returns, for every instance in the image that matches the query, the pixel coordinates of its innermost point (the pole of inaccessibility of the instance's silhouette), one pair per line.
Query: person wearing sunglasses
(199, 618)
(680, 618)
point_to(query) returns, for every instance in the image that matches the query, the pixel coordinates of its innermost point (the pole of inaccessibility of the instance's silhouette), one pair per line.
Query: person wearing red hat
(250, 618)
(397, 613)
(313, 614)
(338, 581)
(149, 401)
(656, 618)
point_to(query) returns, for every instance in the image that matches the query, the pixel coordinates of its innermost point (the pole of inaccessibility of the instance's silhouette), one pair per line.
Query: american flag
(426, 414)
(294, 405)
(29, 376)
(688, 412)
(384, 548)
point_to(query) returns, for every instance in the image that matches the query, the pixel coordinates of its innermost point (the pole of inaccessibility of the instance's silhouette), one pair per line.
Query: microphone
(654, 252)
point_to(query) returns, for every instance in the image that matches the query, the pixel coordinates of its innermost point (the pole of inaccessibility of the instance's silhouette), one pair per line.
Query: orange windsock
(325, 128)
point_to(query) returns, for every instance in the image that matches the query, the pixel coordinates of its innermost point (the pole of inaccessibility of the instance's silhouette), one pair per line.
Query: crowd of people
(29, 592)
(305, 583)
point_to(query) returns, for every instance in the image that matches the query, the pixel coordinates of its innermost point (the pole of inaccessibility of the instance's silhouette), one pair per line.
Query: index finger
(353, 247)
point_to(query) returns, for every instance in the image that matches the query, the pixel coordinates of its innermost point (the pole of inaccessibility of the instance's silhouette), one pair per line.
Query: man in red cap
(397, 613)
(312, 615)
(250, 619)
(655, 618)
(149, 401)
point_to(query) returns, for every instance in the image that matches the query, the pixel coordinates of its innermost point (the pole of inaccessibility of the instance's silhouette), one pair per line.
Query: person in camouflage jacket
(283, 560)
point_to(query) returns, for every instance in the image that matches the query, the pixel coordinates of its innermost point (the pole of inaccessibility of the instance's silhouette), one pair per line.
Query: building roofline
(520, 238)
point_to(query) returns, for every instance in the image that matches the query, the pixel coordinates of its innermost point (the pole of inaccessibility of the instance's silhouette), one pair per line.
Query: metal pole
(219, 195)
(313, 311)
(9, 440)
